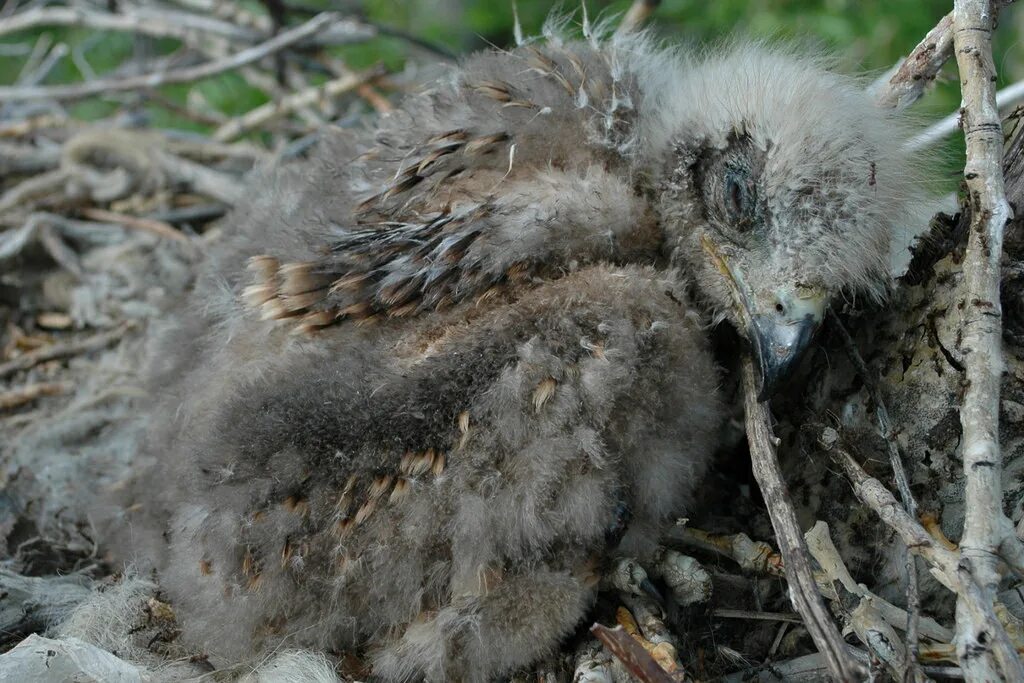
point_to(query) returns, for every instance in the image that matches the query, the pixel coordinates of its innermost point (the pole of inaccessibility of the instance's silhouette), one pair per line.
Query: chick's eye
(738, 201)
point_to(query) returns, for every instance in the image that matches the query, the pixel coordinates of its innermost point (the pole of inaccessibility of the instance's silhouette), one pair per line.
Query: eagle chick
(425, 372)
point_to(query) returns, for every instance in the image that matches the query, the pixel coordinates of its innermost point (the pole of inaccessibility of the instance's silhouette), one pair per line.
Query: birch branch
(986, 527)
(888, 433)
(919, 69)
(183, 26)
(636, 15)
(1008, 97)
(949, 568)
(254, 118)
(319, 23)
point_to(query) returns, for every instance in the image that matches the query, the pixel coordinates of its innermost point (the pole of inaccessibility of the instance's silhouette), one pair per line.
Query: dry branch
(919, 69)
(152, 226)
(819, 542)
(1008, 97)
(888, 434)
(803, 588)
(876, 496)
(632, 654)
(317, 24)
(30, 392)
(58, 351)
(270, 111)
(986, 527)
(183, 26)
(636, 15)
(946, 566)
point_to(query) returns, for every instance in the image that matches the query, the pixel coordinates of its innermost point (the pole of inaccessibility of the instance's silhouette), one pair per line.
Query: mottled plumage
(425, 372)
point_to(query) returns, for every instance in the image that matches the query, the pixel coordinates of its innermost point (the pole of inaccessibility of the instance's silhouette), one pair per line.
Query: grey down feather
(425, 371)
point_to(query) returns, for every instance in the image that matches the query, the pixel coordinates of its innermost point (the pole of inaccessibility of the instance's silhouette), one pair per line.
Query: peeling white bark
(986, 527)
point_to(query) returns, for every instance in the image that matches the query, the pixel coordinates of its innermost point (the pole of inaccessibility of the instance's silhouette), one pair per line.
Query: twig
(986, 630)
(757, 616)
(806, 669)
(153, 80)
(25, 195)
(30, 392)
(865, 615)
(183, 26)
(202, 179)
(986, 528)
(636, 15)
(1008, 97)
(150, 225)
(876, 496)
(272, 110)
(344, 31)
(64, 255)
(632, 654)
(802, 586)
(945, 567)
(26, 159)
(16, 129)
(229, 11)
(39, 72)
(885, 428)
(379, 102)
(819, 542)
(881, 639)
(57, 351)
(919, 69)
(753, 556)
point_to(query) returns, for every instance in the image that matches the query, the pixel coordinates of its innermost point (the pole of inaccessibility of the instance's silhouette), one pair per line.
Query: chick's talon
(688, 581)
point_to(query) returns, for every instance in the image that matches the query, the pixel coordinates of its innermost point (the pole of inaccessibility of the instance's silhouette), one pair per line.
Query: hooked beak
(780, 324)
(781, 336)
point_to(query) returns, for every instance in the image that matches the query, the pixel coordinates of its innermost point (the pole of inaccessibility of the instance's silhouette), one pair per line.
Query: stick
(183, 26)
(1008, 97)
(946, 566)
(919, 69)
(986, 528)
(30, 392)
(757, 616)
(887, 432)
(33, 358)
(632, 654)
(803, 588)
(103, 86)
(271, 110)
(821, 547)
(876, 496)
(25, 195)
(150, 225)
(636, 15)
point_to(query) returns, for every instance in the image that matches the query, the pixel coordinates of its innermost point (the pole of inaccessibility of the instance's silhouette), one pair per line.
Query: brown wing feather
(408, 247)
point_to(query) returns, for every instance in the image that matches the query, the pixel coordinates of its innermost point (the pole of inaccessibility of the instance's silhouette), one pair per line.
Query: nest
(845, 534)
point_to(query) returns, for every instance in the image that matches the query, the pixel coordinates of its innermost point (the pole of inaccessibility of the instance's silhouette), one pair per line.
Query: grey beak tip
(780, 344)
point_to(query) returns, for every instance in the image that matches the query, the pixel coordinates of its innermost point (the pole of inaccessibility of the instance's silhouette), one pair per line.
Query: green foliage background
(866, 35)
(869, 35)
